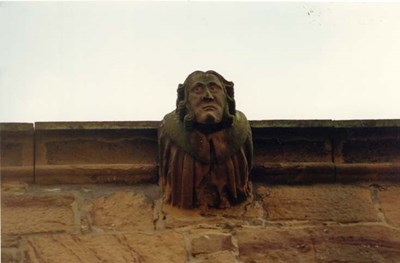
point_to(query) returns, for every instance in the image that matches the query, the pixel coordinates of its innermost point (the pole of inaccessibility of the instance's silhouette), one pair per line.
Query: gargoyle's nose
(208, 95)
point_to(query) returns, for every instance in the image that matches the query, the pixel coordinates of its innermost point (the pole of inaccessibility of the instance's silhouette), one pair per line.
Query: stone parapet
(285, 151)
(96, 152)
(17, 151)
(308, 151)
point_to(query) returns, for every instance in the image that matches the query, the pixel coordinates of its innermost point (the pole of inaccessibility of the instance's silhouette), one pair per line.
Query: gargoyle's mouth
(209, 108)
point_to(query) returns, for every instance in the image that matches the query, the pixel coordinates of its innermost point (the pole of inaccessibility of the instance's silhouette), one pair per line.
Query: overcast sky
(109, 61)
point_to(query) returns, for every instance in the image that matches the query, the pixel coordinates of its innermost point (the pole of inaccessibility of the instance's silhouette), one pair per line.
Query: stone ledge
(96, 173)
(286, 151)
(389, 123)
(16, 127)
(289, 173)
(308, 172)
(16, 151)
(17, 173)
(97, 125)
(395, 123)
(368, 172)
(291, 124)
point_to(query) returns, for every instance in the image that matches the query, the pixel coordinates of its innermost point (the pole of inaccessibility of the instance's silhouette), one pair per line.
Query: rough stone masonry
(117, 223)
(324, 191)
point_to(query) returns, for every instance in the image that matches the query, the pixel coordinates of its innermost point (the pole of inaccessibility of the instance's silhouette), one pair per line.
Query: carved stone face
(206, 98)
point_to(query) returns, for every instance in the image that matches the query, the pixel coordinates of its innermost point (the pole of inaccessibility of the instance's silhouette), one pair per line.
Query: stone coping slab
(381, 123)
(255, 124)
(97, 125)
(388, 123)
(15, 127)
(285, 151)
(291, 124)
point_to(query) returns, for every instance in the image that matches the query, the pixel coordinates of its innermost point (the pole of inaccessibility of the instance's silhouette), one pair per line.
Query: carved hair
(187, 116)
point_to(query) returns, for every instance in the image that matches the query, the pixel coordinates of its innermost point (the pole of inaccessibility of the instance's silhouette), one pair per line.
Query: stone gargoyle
(205, 146)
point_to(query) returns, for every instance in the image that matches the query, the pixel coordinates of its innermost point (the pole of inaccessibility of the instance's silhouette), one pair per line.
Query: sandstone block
(247, 213)
(367, 243)
(10, 241)
(339, 203)
(160, 247)
(11, 255)
(389, 201)
(370, 243)
(123, 211)
(274, 245)
(10, 249)
(209, 242)
(218, 257)
(27, 214)
(166, 247)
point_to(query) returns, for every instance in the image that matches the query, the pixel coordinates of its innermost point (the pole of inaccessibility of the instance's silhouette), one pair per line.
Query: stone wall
(323, 191)
(126, 152)
(120, 223)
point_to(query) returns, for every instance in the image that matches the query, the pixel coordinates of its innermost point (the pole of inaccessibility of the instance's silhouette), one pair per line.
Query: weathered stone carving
(205, 146)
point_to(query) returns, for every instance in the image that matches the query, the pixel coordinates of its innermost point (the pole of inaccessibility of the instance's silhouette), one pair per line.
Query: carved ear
(229, 89)
(230, 97)
(181, 95)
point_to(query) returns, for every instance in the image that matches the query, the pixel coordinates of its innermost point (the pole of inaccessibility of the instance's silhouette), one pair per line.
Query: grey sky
(123, 61)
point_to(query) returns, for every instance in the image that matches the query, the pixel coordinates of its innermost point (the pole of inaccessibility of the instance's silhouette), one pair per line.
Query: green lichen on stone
(291, 124)
(130, 125)
(325, 123)
(388, 123)
(16, 127)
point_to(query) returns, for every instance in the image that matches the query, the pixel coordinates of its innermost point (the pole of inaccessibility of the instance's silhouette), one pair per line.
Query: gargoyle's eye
(198, 88)
(213, 87)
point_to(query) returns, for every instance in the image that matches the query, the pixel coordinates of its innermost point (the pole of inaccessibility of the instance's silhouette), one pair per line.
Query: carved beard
(210, 119)
(210, 126)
